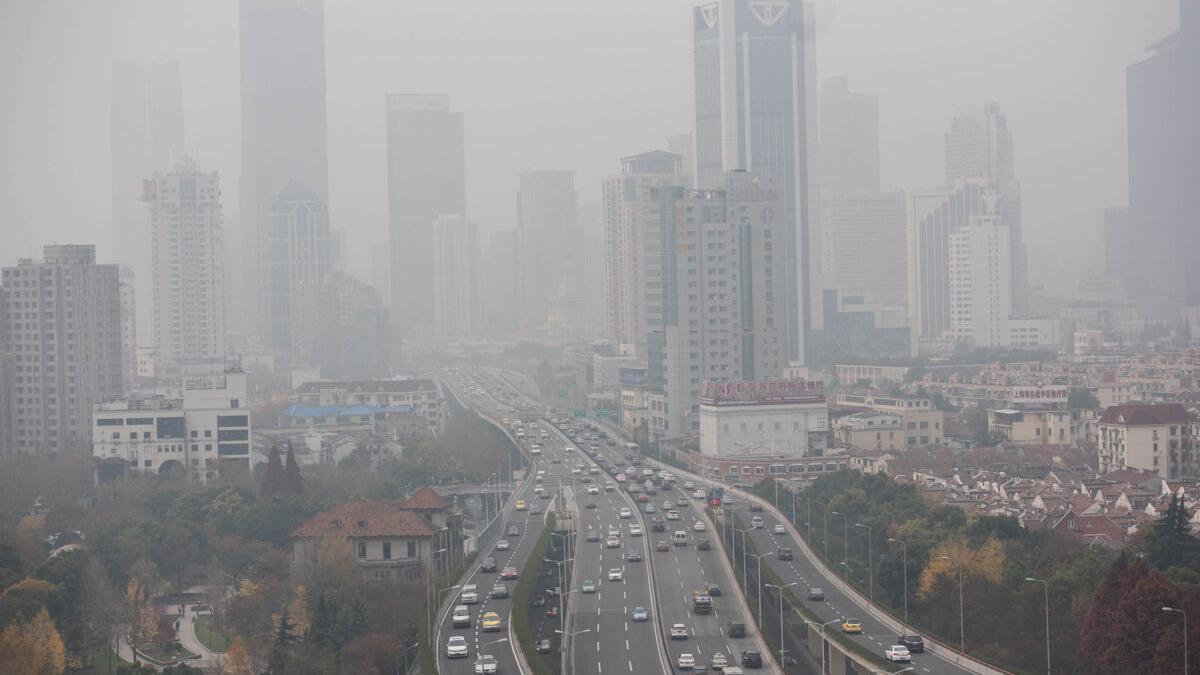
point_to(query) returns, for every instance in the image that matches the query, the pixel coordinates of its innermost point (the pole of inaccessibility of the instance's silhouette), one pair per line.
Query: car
(668, 504)
(698, 494)
(703, 545)
(816, 593)
(543, 647)
(490, 622)
(714, 589)
(461, 616)
(643, 499)
(499, 591)
(487, 565)
(456, 647)
(785, 554)
(915, 644)
(662, 546)
(625, 513)
(633, 556)
(686, 661)
(545, 495)
(593, 535)
(508, 573)
(589, 586)
(612, 542)
(649, 507)
(520, 505)
(616, 574)
(778, 530)
(851, 626)
(679, 632)
(503, 545)
(469, 594)
(699, 526)
(689, 485)
(752, 659)
(718, 661)
(897, 654)
(514, 531)
(640, 614)
(539, 601)
(755, 507)
(486, 665)
(736, 629)
(620, 478)
(590, 505)
(672, 515)
(535, 510)
(756, 522)
(609, 487)
(552, 611)
(657, 524)
(593, 490)
(635, 530)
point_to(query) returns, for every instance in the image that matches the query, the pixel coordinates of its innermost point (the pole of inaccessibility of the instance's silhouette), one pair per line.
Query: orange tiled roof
(426, 498)
(365, 519)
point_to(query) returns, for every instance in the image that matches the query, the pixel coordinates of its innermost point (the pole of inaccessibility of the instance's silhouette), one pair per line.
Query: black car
(755, 507)
(539, 601)
(736, 629)
(633, 556)
(785, 554)
(914, 643)
(590, 505)
(487, 565)
(657, 524)
(543, 647)
(714, 590)
(751, 659)
(593, 535)
(703, 545)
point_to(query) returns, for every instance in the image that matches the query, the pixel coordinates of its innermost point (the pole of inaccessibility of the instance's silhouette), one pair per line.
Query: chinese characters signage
(764, 392)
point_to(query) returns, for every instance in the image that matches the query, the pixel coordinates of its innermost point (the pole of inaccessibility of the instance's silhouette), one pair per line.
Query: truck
(701, 602)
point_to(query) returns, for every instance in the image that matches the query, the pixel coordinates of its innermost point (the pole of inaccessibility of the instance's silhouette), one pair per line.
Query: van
(756, 522)
(680, 538)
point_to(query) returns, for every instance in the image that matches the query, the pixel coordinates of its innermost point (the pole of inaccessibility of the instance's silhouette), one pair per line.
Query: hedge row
(522, 598)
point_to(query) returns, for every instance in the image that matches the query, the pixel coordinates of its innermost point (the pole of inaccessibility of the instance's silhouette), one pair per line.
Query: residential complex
(424, 397)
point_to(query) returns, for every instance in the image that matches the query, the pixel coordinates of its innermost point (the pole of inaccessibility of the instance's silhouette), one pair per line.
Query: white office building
(780, 420)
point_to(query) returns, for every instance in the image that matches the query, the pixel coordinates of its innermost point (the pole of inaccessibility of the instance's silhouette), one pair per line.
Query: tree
(293, 483)
(1122, 631)
(273, 481)
(299, 612)
(99, 612)
(237, 662)
(24, 599)
(33, 648)
(1170, 542)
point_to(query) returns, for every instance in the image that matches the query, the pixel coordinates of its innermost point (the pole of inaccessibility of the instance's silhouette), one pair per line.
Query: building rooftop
(1146, 413)
(365, 519)
(380, 386)
(342, 410)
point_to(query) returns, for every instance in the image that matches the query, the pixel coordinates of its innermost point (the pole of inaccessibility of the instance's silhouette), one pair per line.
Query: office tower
(339, 324)
(980, 285)
(283, 118)
(549, 245)
(932, 216)
(145, 136)
(684, 146)
(129, 339)
(849, 139)
(866, 247)
(755, 112)
(1116, 238)
(456, 282)
(64, 340)
(1163, 105)
(189, 280)
(593, 270)
(426, 178)
(295, 247)
(633, 254)
(500, 282)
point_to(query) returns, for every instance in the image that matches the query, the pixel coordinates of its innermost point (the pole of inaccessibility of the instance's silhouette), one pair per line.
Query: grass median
(523, 600)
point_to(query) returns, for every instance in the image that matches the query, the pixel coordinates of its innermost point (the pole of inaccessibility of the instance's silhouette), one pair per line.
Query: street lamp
(821, 628)
(407, 648)
(780, 589)
(429, 609)
(870, 554)
(760, 581)
(571, 635)
(1185, 635)
(904, 547)
(962, 640)
(483, 649)
(561, 585)
(845, 538)
(1046, 589)
(888, 672)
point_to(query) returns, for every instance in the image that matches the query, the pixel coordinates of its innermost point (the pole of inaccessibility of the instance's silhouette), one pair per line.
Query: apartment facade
(1152, 437)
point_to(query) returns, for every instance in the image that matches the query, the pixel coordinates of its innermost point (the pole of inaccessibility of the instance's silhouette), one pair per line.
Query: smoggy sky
(561, 84)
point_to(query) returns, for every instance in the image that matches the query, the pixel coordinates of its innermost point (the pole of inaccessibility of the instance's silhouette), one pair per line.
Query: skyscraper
(1163, 104)
(426, 178)
(66, 354)
(295, 247)
(755, 61)
(456, 281)
(849, 139)
(500, 282)
(548, 242)
(283, 117)
(633, 222)
(145, 136)
(866, 243)
(189, 278)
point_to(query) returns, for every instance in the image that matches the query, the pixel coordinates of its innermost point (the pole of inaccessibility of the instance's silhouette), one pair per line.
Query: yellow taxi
(521, 505)
(851, 626)
(490, 622)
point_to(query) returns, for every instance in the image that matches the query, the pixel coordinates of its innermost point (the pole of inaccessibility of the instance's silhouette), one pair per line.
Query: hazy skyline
(575, 87)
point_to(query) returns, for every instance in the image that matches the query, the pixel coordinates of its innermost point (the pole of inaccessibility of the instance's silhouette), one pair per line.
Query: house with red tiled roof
(387, 540)
(1156, 437)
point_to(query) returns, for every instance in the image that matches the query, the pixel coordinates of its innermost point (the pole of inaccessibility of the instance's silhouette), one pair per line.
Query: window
(387, 550)
(362, 551)
(412, 549)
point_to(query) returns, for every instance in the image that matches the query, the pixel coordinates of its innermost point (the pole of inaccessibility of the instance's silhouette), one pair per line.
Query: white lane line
(627, 645)
(631, 666)
(597, 646)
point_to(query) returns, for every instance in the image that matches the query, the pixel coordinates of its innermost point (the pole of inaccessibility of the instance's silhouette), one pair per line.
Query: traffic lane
(836, 604)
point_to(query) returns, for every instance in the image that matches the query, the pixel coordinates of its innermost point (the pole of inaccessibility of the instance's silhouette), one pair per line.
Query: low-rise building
(924, 424)
(422, 396)
(1044, 427)
(1154, 437)
(871, 430)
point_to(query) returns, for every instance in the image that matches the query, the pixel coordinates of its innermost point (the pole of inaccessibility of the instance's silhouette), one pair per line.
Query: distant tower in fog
(849, 140)
(548, 241)
(426, 178)
(456, 276)
(296, 248)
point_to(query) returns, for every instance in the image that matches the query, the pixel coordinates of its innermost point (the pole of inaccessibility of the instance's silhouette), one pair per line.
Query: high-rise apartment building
(129, 333)
(549, 245)
(63, 325)
(426, 178)
(980, 282)
(1163, 104)
(340, 324)
(755, 97)
(865, 246)
(456, 276)
(283, 118)
(684, 145)
(295, 248)
(145, 137)
(849, 139)
(189, 271)
(633, 253)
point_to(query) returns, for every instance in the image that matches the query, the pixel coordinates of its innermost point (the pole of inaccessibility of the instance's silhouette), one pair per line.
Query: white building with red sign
(764, 421)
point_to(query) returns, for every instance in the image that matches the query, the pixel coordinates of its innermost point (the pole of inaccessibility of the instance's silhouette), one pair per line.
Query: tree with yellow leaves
(33, 648)
(142, 620)
(298, 610)
(986, 562)
(237, 661)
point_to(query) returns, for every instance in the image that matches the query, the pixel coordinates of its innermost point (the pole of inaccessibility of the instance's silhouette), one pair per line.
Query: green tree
(293, 483)
(273, 481)
(1170, 542)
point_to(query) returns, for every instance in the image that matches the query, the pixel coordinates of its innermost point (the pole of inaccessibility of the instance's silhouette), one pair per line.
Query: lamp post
(845, 538)
(825, 531)
(745, 577)
(904, 547)
(483, 648)
(962, 640)
(780, 589)
(429, 591)
(1185, 635)
(571, 635)
(870, 565)
(562, 621)
(888, 672)
(760, 581)
(1046, 589)
(821, 629)
(406, 650)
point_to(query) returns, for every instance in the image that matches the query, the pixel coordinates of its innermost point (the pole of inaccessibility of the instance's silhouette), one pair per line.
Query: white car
(456, 647)
(897, 654)
(612, 542)
(469, 594)
(502, 545)
(698, 526)
(679, 632)
(698, 494)
(778, 530)
(718, 661)
(462, 617)
(672, 515)
(689, 485)
(625, 512)
(609, 486)
(756, 522)
(486, 665)
(635, 530)
(593, 490)
(686, 661)
(616, 575)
